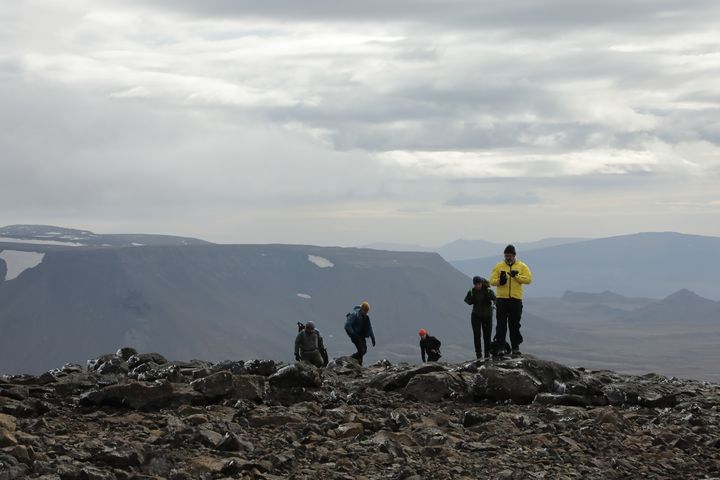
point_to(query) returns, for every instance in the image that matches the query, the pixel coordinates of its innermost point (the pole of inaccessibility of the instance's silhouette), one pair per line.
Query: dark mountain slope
(222, 301)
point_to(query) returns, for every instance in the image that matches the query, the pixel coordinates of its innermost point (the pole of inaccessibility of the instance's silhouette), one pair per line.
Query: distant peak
(685, 295)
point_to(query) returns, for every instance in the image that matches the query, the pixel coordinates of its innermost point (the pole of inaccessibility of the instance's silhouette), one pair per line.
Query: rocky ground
(138, 416)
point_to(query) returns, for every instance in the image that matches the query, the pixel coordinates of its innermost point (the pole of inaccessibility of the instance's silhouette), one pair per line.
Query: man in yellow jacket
(509, 276)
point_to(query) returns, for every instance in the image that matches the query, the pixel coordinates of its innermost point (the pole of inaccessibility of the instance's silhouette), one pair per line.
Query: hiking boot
(516, 352)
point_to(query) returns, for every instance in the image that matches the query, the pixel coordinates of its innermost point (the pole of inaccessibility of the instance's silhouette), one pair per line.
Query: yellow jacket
(514, 286)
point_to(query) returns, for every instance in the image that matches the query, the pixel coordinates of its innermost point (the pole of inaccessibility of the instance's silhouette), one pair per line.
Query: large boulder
(553, 375)
(435, 386)
(261, 367)
(345, 366)
(140, 358)
(8, 425)
(395, 378)
(499, 384)
(301, 374)
(225, 384)
(141, 395)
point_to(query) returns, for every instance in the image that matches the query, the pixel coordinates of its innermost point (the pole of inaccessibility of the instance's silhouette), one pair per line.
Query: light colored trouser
(313, 357)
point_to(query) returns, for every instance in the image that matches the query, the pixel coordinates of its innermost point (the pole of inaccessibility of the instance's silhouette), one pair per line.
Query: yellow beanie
(365, 307)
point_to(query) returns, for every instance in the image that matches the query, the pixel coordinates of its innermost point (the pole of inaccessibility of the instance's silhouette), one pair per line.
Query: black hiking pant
(482, 332)
(361, 345)
(509, 312)
(433, 357)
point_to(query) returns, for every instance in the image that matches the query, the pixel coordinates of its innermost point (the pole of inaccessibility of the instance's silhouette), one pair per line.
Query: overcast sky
(346, 123)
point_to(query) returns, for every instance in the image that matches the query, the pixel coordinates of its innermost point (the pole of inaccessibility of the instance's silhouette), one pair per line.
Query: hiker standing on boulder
(309, 345)
(509, 276)
(429, 345)
(358, 328)
(482, 298)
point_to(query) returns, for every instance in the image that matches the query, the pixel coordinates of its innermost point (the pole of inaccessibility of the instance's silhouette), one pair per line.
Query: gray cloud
(526, 15)
(350, 123)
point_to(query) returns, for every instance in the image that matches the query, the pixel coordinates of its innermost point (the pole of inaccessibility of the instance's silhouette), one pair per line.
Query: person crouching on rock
(309, 345)
(429, 345)
(359, 328)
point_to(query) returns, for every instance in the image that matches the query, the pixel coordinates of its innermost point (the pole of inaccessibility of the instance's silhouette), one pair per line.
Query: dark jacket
(357, 324)
(481, 300)
(428, 344)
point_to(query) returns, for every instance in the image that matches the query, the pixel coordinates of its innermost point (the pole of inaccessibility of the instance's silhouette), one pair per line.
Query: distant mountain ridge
(59, 236)
(470, 249)
(638, 265)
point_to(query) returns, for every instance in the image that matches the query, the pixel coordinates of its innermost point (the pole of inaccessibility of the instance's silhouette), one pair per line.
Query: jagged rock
(498, 384)
(171, 373)
(209, 438)
(249, 387)
(258, 419)
(344, 366)
(225, 384)
(16, 392)
(471, 418)
(301, 374)
(140, 358)
(139, 395)
(125, 353)
(435, 386)
(47, 378)
(399, 378)
(95, 363)
(236, 367)
(8, 425)
(561, 399)
(11, 468)
(343, 428)
(229, 443)
(122, 458)
(261, 367)
(112, 365)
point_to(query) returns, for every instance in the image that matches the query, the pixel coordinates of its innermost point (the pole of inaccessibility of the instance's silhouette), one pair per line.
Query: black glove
(503, 278)
(513, 273)
(297, 357)
(373, 341)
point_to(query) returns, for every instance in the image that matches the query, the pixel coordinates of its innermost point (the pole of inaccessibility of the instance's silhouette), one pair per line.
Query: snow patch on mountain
(40, 242)
(320, 261)
(17, 262)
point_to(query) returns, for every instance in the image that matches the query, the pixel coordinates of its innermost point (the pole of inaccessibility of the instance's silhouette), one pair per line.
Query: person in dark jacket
(309, 345)
(482, 298)
(429, 345)
(359, 328)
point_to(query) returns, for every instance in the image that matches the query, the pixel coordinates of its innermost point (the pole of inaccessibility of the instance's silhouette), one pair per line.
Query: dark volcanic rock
(225, 384)
(140, 358)
(511, 418)
(139, 395)
(301, 374)
(261, 367)
(497, 383)
(396, 378)
(126, 352)
(436, 386)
